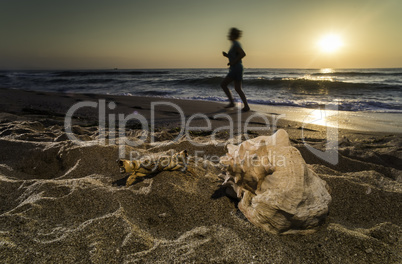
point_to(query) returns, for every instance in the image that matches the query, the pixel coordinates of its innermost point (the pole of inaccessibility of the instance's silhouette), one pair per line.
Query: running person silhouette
(235, 56)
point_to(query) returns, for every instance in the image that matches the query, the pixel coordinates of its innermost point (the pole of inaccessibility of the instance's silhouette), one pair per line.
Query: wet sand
(64, 202)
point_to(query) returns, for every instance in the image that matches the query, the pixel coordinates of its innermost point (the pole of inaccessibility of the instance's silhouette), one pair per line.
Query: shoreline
(357, 121)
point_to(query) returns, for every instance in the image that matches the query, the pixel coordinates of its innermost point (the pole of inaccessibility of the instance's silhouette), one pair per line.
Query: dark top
(232, 54)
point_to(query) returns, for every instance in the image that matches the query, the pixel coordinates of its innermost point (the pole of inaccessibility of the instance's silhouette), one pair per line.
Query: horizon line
(185, 68)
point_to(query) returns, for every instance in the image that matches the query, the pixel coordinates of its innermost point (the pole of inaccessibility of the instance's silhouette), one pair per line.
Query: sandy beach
(63, 202)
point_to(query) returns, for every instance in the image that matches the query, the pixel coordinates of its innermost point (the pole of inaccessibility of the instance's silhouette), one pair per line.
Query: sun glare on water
(330, 43)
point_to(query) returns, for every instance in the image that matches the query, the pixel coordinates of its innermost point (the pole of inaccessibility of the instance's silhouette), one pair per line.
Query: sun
(330, 43)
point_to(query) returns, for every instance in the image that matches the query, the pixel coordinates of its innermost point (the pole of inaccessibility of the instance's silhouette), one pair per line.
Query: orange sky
(44, 34)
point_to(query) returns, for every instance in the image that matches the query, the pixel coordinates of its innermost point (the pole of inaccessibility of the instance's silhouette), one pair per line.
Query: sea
(368, 90)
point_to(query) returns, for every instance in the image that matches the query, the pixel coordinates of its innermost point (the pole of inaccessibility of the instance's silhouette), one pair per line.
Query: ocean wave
(116, 72)
(369, 106)
(215, 81)
(305, 83)
(351, 105)
(357, 73)
(84, 81)
(155, 93)
(279, 82)
(271, 72)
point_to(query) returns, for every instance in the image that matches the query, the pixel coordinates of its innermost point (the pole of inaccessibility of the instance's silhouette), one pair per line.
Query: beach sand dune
(67, 203)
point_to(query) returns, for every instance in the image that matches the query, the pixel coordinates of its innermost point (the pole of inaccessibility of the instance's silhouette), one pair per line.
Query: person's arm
(225, 54)
(241, 55)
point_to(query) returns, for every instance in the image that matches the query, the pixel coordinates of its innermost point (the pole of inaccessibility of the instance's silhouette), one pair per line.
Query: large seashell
(277, 190)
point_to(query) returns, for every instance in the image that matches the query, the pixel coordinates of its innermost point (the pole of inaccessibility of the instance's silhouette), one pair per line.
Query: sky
(50, 34)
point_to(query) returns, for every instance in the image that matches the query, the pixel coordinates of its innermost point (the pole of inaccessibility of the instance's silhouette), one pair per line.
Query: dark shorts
(236, 72)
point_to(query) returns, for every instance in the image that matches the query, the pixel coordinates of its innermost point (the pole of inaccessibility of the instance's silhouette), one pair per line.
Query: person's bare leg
(237, 85)
(225, 88)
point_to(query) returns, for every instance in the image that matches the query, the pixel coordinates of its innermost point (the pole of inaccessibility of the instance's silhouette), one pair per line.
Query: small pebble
(162, 215)
(369, 250)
